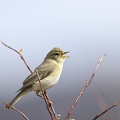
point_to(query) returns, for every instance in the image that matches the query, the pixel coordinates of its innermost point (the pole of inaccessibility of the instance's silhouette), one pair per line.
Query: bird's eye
(56, 53)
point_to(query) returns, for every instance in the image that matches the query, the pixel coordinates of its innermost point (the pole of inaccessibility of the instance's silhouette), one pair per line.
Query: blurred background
(86, 28)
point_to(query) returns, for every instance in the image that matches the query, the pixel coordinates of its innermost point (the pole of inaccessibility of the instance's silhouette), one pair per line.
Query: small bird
(49, 71)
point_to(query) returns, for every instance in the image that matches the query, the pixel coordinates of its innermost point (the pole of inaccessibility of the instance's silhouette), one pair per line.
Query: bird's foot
(39, 94)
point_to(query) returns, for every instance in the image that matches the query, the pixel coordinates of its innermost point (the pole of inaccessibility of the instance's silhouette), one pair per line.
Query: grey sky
(86, 28)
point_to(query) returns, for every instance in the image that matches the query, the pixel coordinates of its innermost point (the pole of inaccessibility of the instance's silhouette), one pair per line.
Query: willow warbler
(49, 71)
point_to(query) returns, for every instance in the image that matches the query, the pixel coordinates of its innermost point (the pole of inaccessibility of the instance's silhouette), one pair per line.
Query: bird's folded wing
(43, 70)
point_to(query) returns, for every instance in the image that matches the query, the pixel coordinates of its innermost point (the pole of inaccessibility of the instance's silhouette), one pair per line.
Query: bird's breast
(48, 81)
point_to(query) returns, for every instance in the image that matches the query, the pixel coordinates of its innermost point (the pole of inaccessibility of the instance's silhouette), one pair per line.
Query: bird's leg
(39, 94)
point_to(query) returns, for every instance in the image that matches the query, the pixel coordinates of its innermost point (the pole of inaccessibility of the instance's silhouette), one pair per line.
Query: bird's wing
(44, 70)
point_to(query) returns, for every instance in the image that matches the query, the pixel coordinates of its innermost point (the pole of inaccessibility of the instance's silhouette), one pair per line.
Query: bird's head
(57, 54)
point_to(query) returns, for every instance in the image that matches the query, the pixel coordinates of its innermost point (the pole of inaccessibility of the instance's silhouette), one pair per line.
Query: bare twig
(49, 105)
(20, 53)
(17, 111)
(82, 91)
(56, 116)
(101, 103)
(97, 116)
(45, 96)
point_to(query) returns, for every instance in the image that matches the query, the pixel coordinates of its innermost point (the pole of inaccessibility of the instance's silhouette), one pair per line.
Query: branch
(45, 96)
(97, 116)
(20, 53)
(49, 104)
(17, 111)
(43, 93)
(86, 85)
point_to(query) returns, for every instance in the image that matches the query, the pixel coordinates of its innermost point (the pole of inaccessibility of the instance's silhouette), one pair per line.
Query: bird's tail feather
(18, 97)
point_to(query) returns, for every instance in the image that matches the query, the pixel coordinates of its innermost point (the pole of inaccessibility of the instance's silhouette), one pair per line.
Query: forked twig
(82, 91)
(56, 116)
(97, 116)
(17, 111)
(43, 93)
(20, 53)
(47, 101)
(44, 96)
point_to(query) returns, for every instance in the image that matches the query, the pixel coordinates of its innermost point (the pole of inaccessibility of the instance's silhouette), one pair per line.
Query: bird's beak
(64, 54)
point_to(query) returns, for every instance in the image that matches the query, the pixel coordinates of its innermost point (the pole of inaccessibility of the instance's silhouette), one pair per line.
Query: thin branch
(97, 116)
(44, 96)
(49, 104)
(47, 101)
(20, 53)
(23, 115)
(56, 116)
(82, 91)
(101, 103)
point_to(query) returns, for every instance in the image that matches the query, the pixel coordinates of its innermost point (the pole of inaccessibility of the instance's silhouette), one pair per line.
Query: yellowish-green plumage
(49, 71)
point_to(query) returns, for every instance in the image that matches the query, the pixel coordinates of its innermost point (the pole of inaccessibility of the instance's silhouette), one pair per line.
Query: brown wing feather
(43, 70)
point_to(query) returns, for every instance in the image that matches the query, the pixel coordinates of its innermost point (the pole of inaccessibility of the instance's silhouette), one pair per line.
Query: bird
(49, 72)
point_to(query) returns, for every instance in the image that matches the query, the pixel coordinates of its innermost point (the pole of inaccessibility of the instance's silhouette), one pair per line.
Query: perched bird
(49, 71)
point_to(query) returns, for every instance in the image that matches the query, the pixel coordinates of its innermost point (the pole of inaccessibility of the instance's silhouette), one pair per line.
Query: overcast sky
(86, 28)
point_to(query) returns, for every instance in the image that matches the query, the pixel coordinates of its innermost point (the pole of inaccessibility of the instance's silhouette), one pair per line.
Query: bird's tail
(18, 97)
